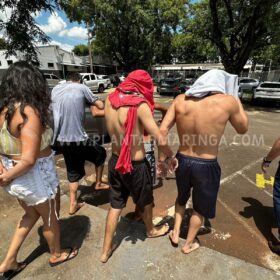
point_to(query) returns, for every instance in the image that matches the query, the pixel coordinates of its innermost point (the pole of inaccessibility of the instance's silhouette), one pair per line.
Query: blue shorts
(203, 176)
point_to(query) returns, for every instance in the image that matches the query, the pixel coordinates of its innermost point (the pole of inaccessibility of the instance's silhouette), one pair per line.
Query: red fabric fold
(137, 88)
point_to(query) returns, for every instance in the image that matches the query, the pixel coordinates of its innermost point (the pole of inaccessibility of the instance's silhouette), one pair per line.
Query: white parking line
(244, 223)
(171, 210)
(239, 172)
(254, 184)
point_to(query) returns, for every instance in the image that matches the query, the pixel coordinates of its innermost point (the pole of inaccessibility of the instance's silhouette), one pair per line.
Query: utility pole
(89, 49)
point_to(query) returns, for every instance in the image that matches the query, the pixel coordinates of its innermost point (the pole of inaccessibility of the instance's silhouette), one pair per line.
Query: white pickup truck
(91, 80)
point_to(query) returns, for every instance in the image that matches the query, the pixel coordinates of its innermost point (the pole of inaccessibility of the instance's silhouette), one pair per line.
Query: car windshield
(246, 81)
(270, 85)
(168, 82)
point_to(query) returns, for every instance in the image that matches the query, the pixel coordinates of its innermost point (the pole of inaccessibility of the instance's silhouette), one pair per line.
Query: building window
(76, 67)
(9, 62)
(0, 63)
(50, 65)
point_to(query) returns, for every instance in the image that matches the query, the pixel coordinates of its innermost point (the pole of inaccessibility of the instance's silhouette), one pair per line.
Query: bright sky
(61, 30)
(57, 27)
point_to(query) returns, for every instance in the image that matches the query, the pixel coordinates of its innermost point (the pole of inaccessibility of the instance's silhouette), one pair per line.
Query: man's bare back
(201, 122)
(115, 120)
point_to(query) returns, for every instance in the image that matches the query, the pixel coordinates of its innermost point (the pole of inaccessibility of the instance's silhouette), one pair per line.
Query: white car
(91, 80)
(52, 80)
(268, 91)
(105, 79)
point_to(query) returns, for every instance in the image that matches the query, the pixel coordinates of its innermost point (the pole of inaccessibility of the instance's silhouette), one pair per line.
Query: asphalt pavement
(244, 222)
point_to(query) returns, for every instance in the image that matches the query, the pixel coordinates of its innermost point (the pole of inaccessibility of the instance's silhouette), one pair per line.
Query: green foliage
(81, 50)
(21, 30)
(236, 27)
(135, 33)
(3, 44)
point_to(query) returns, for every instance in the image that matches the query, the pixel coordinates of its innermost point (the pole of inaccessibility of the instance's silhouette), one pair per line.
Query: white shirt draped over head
(214, 80)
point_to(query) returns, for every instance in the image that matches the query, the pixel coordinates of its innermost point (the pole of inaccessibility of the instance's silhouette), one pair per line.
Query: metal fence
(272, 76)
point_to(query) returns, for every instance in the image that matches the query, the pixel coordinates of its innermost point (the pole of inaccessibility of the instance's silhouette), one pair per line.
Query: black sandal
(68, 258)
(9, 274)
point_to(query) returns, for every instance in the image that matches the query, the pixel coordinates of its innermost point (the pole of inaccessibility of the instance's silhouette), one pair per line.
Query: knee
(34, 216)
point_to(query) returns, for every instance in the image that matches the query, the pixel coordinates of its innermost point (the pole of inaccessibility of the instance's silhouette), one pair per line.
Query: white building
(55, 60)
(186, 70)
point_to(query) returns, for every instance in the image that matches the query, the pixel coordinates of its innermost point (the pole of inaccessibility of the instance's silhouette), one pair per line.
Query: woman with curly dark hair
(27, 167)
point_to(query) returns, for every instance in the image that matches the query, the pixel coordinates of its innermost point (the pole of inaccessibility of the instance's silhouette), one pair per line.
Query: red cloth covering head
(137, 88)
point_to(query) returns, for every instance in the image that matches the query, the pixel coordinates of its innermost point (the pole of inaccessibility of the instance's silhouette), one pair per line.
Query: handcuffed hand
(168, 165)
(265, 165)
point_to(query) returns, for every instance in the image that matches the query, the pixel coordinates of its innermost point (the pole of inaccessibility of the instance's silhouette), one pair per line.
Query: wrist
(267, 160)
(165, 160)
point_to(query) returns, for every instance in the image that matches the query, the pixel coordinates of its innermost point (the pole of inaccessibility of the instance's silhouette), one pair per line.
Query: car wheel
(101, 89)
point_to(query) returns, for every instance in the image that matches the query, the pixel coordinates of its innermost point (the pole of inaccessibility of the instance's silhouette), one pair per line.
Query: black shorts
(138, 184)
(203, 176)
(76, 153)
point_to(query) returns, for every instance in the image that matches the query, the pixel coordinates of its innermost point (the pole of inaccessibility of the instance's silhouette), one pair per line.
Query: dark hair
(74, 76)
(25, 84)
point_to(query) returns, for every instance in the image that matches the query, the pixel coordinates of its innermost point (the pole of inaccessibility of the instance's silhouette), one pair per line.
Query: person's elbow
(29, 162)
(243, 127)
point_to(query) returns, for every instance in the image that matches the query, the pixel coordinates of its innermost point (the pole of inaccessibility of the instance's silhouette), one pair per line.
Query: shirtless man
(136, 180)
(200, 123)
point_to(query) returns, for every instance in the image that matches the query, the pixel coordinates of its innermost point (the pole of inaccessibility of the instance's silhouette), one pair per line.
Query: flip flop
(82, 204)
(12, 273)
(163, 234)
(68, 258)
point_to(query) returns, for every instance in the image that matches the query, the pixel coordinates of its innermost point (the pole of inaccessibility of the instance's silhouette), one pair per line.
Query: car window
(169, 82)
(245, 81)
(270, 85)
(92, 77)
(86, 77)
(54, 77)
(105, 77)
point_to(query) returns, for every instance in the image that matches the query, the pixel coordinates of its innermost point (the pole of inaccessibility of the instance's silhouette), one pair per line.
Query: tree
(235, 27)
(20, 30)
(189, 48)
(3, 44)
(81, 50)
(134, 33)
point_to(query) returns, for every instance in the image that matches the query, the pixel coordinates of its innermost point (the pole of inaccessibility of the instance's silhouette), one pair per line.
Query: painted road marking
(261, 182)
(239, 172)
(254, 184)
(171, 210)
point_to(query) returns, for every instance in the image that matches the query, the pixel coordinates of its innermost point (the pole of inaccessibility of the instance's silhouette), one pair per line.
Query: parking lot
(244, 219)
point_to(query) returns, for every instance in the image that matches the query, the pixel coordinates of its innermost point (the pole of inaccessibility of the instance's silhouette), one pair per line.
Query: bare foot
(76, 208)
(174, 238)
(65, 255)
(13, 267)
(190, 248)
(101, 186)
(107, 255)
(158, 231)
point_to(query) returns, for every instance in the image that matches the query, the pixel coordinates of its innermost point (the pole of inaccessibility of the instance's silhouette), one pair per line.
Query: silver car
(269, 91)
(247, 87)
(52, 80)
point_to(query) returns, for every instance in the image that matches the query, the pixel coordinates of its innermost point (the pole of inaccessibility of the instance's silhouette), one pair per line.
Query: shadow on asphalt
(129, 231)
(263, 217)
(93, 197)
(205, 229)
(74, 231)
(262, 107)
